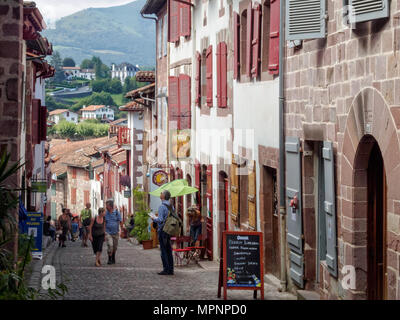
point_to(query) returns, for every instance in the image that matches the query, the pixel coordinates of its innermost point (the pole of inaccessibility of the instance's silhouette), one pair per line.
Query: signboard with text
(34, 226)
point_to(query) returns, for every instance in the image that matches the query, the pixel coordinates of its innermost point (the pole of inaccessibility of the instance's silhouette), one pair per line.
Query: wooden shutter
(198, 79)
(330, 208)
(173, 100)
(252, 196)
(273, 64)
(73, 173)
(222, 85)
(294, 216)
(256, 43)
(209, 193)
(249, 38)
(197, 182)
(369, 10)
(185, 102)
(236, 45)
(305, 19)
(185, 19)
(43, 123)
(35, 121)
(73, 195)
(173, 23)
(209, 76)
(235, 191)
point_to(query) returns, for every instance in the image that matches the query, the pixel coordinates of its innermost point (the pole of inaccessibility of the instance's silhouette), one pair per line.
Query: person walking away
(64, 223)
(164, 238)
(75, 229)
(113, 223)
(195, 222)
(96, 234)
(85, 219)
(131, 225)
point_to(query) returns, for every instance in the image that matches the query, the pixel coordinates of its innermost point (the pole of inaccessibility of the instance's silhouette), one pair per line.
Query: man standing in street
(85, 219)
(113, 222)
(164, 238)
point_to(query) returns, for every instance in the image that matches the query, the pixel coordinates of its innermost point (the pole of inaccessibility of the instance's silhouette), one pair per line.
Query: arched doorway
(372, 168)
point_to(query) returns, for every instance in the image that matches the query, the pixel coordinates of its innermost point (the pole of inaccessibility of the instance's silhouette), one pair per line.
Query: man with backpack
(165, 239)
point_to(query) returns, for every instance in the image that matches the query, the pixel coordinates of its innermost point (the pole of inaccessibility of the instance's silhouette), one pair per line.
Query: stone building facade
(345, 89)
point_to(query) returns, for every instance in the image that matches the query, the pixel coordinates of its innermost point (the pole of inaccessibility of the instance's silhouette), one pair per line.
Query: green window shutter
(54, 211)
(365, 10)
(330, 208)
(305, 19)
(53, 190)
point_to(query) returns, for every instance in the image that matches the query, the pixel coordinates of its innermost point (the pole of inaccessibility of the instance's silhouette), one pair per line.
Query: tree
(87, 64)
(115, 86)
(56, 62)
(101, 85)
(86, 129)
(97, 98)
(101, 70)
(66, 129)
(69, 62)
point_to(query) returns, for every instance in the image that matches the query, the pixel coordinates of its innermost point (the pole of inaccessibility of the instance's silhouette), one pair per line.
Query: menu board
(242, 267)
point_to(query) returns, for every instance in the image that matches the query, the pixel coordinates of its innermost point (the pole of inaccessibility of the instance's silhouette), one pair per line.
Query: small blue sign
(34, 226)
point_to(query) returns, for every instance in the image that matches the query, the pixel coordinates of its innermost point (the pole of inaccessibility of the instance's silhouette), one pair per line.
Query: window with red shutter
(43, 123)
(73, 195)
(209, 194)
(273, 64)
(198, 79)
(185, 19)
(184, 102)
(222, 53)
(173, 23)
(73, 173)
(36, 104)
(236, 45)
(256, 41)
(209, 76)
(173, 102)
(249, 38)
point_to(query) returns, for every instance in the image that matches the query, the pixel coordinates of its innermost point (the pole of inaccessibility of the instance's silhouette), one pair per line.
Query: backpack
(173, 224)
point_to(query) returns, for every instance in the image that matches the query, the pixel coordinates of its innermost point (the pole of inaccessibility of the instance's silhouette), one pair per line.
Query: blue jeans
(166, 252)
(195, 231)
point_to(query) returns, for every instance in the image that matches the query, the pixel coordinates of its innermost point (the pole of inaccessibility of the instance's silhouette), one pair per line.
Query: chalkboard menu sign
(243, 267)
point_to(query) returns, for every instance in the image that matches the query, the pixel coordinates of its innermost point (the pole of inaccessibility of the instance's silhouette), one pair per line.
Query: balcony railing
(124, 136)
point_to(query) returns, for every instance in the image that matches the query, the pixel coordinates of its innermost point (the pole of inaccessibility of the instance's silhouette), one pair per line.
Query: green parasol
(177, 188)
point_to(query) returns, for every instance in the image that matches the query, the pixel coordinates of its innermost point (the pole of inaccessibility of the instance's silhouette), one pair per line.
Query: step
(307, 295)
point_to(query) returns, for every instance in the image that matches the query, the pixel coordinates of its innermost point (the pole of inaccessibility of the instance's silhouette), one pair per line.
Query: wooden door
(376, 226)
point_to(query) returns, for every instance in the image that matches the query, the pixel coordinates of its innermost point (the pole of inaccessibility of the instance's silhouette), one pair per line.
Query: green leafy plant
(141, 230)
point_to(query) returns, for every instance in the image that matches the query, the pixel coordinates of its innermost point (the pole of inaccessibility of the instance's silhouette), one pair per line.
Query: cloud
(53, 10)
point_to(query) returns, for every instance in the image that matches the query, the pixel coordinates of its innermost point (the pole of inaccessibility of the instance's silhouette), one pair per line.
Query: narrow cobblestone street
(134, 276)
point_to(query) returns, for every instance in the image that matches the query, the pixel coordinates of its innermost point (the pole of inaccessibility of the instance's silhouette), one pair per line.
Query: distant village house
(104, 113)
(56, 116)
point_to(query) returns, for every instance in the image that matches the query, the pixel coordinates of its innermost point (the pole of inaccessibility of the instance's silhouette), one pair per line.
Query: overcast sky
(53, 10)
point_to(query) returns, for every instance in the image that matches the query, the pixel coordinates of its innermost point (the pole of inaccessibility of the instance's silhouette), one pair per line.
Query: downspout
(282, 184)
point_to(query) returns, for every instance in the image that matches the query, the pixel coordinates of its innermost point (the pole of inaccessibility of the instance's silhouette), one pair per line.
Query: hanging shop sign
(39, 186)
(242, 266)
(160, 177)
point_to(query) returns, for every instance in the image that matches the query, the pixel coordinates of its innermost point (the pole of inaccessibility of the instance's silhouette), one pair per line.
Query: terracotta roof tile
(136, 93)
(92, 108)
(133, 106)
(145, 76)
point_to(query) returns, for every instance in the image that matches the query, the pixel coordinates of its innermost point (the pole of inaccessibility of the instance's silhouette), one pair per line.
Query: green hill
(115, 34)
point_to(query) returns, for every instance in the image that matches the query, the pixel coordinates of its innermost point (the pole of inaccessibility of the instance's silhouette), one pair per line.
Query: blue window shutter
(330, 208)
(365, 10)
(294, 216)
(305, 19)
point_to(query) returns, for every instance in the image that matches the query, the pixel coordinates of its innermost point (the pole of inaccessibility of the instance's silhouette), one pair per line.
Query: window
(265, 35)
(179, 20)
(74, 173)
(73, 195)
(243, 42)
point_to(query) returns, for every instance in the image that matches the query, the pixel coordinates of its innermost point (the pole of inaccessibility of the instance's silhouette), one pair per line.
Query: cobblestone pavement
(135, 277)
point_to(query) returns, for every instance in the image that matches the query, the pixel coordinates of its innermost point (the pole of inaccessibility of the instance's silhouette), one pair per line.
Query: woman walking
(97, 231)
(64, 223)
(195, 222)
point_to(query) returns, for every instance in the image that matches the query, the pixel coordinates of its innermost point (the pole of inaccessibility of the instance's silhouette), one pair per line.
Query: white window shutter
(366, 10)
(305, 19)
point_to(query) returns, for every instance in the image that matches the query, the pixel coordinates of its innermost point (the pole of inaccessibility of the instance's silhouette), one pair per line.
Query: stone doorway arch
(369, 120)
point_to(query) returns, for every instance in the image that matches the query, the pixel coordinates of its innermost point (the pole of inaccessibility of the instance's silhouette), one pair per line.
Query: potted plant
(141, 229)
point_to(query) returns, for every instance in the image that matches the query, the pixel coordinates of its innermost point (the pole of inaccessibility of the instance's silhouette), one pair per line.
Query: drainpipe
(282, 184)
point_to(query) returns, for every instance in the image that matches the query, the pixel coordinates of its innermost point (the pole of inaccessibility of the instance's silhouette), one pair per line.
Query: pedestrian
(131, 225)
(113, 223)
(85, 219)
(64, 223)
(97, 231)
(195, 223)
(75, 229)
(164, 238)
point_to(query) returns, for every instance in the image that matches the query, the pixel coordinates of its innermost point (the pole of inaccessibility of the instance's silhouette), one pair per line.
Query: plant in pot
(141, 229)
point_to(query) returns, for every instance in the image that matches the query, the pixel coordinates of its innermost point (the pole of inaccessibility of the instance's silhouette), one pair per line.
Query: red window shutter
(218, 54)
(173, 23)
(223, 75)
(209, 76)
(43, 123)
(186, 19)
(236, 44)
(197, 175)
(73, 195)
(273, 64)
(249, 38)
(198, 79)
(256, 41)
(185, 102)
(209, 194)
(73, 173)
(35, 121)
(173, 101)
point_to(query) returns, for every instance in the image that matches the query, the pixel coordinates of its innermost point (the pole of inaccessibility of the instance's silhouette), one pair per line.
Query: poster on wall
(179, 144)
(34, 227)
